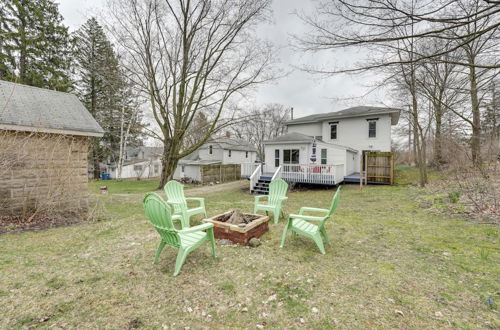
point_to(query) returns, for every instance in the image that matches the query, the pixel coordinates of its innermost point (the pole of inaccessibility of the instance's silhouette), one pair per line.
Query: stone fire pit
(239, 227)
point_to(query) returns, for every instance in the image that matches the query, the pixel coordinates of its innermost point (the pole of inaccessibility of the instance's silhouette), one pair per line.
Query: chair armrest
(306, 217)
(258, 198)
(194, 229)
(199, 199)
(312, 209)
(283, 198)
(172, 202)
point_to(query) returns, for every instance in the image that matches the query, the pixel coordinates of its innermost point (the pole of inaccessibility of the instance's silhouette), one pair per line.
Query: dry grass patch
(392, 264)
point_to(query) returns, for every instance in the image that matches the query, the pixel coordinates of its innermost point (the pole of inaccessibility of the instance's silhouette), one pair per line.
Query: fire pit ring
(241, 233)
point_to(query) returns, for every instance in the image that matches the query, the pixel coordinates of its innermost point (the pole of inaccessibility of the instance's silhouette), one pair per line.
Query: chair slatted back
(175, 193)
(277, 189)
(335, 202)
(158, 213)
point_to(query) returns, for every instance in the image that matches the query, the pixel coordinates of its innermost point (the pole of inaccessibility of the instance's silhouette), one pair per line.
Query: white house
(324, 148)
(221, 150)
(139, 162)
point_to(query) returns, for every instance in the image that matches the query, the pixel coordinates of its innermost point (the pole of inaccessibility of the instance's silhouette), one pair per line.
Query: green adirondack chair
(299, 223)
(277, 194)
(175, 194)
(186, 240)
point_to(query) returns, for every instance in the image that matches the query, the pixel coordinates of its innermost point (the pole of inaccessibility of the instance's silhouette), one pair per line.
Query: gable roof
(359, 111)
(232, 144)
(27, 108)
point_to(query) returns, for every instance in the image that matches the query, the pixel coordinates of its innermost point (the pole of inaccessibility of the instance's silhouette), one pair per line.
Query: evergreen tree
(104, 89)
(35, 47)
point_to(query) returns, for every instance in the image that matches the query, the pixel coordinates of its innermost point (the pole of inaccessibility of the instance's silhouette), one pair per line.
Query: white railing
(247, 169)
(255, 176)
(312, 173)
(277, 174)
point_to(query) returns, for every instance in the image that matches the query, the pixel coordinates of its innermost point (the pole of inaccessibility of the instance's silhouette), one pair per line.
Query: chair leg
(211, 238)
(319, 242)
(255, 209)
(276, 214)
(325, 235)
(283, 237)
(158, 251)
(181, 257)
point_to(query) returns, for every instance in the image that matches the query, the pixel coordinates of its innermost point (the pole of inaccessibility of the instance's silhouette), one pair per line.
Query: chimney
(291, 113)
(228, 134)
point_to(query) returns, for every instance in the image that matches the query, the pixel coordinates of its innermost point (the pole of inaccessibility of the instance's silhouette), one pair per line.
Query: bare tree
(261, 124)
(188, 57)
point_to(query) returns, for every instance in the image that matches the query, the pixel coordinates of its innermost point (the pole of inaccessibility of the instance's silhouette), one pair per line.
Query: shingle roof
(28, 108)
(349, 112)
(233, 144)
(295, 137)
(292, 137)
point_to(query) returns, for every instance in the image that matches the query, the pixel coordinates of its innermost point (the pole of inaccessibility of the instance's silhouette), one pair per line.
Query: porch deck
(355, 177)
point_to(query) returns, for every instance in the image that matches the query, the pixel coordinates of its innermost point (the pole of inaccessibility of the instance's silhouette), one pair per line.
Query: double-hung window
(323, 156)
(333, 130)
(372, 128)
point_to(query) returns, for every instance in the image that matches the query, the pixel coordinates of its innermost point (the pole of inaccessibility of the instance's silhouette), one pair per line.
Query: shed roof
(27, 108)
(359, 111)
(294, 137)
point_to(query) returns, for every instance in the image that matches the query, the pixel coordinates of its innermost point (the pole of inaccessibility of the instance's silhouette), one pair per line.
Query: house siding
(48, 172)
(351, 132)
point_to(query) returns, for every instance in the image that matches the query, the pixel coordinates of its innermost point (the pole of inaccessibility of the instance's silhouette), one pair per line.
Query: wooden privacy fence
(220, 173)
(378, 168)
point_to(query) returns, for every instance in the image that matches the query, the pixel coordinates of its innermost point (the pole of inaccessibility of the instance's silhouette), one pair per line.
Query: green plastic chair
(299, 223)
(186, 240)
(277, 194)
(175, 194)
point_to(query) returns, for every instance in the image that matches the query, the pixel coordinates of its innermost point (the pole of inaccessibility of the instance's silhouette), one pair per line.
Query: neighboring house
(44, 138)
(339, 139)
(139, 162)
(222, 150)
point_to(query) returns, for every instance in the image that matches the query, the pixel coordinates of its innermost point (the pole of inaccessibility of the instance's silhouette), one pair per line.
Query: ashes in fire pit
(236, 217)
(239, 227)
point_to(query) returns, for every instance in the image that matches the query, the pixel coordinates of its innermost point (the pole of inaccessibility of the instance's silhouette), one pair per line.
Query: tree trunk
(476, 115)
(438, 152)
(95, 159)
(168, 166)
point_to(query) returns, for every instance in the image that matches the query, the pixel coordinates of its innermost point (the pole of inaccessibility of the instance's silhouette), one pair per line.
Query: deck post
(366, 168)
(361, 171)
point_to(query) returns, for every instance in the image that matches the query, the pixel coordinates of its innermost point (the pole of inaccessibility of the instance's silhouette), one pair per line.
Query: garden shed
(44, 137)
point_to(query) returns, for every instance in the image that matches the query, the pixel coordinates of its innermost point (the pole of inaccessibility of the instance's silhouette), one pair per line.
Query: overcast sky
(306, 93)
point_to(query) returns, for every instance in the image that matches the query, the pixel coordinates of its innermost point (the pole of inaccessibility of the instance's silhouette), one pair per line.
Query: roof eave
(11, 127)
(294, 122)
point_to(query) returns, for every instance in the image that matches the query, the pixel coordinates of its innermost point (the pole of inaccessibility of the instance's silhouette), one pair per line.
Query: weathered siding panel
(42, 172)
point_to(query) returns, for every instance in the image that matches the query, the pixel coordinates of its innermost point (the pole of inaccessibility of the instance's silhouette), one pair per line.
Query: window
(246, 154)
(276, 158)
(156, 169)
(333, 131)
(323, 156)
(372, 129)
(137, 167)
(210, 150)
(183, 168)
(229, 153)
(291, 156)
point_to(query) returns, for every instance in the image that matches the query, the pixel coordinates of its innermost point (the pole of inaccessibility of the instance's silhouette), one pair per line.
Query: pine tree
(35, 48)
(103, 88)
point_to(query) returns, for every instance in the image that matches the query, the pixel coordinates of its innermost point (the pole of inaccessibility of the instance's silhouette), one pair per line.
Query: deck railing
(247, 169)
(312, 173)
(254, 177)
(277, 174)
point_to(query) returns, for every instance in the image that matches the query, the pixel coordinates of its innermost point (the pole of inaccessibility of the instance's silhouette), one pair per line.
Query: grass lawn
(392, 264)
